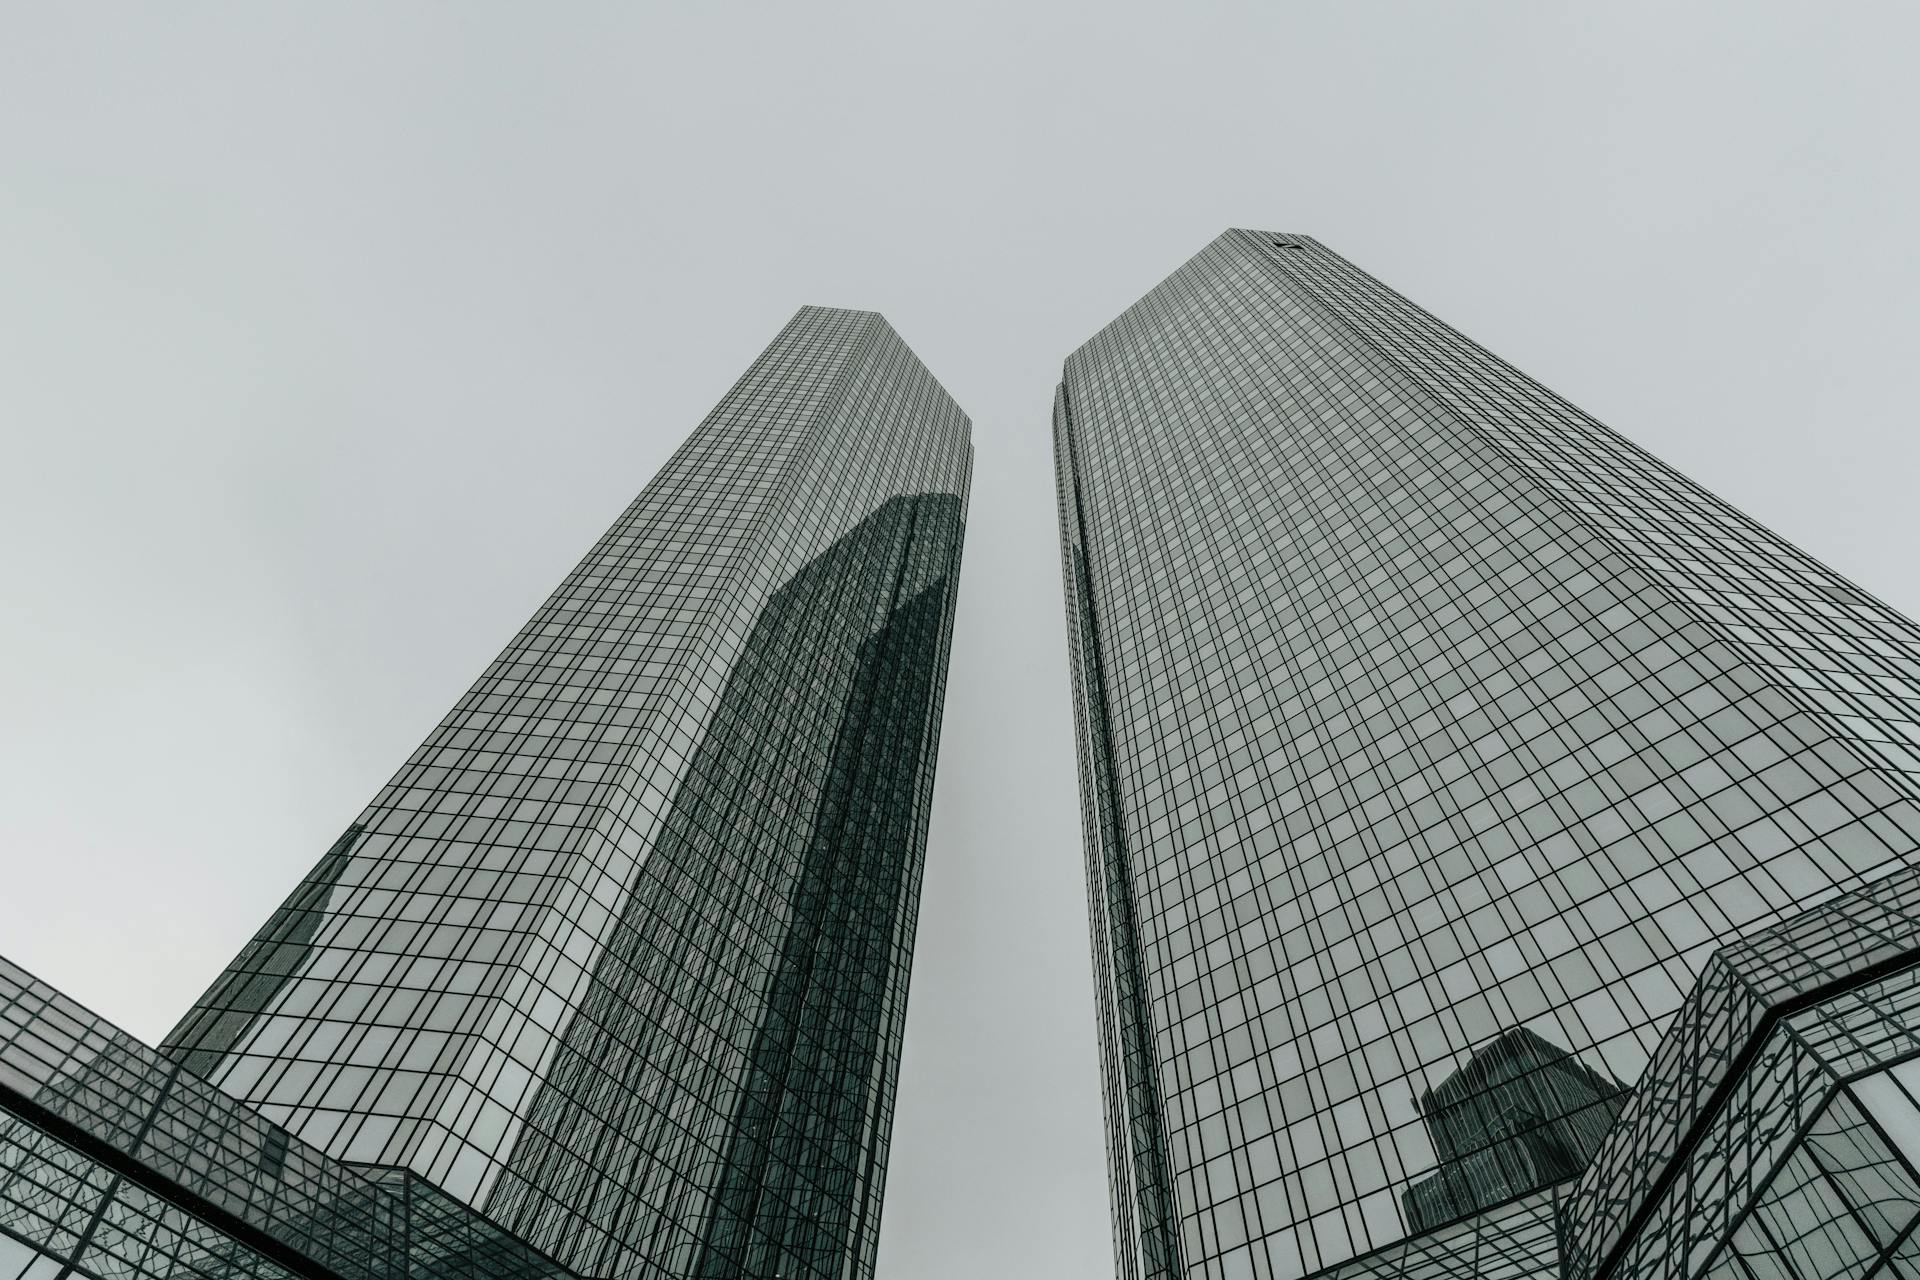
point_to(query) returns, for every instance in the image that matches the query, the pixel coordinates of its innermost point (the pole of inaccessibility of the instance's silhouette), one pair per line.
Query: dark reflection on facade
(1520, 1115)
(798, 947)
(263, 970)
(802, 1150)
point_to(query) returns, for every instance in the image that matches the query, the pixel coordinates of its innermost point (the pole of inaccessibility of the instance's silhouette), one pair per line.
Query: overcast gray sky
(330, 337)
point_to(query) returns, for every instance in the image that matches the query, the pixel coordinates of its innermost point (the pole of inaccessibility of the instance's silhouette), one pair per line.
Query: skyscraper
(613, 971)
(1500, 851)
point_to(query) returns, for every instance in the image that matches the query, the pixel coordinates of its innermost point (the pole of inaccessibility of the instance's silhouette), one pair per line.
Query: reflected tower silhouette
(1520, 1114)
(790, 1156)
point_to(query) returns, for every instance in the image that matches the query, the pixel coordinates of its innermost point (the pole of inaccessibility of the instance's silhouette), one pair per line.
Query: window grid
(1428, 713)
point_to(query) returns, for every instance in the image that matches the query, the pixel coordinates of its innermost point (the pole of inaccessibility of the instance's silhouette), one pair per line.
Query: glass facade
(1451, 767)
(616, 965)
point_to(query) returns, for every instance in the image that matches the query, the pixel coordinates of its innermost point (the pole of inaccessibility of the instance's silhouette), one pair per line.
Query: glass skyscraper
(610, 979)
(1501, 851)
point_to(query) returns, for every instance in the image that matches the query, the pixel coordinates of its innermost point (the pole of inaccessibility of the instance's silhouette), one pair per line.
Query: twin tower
(1500, 852)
